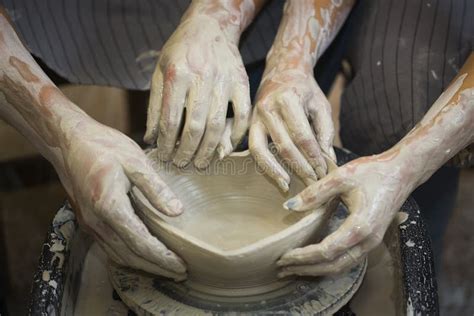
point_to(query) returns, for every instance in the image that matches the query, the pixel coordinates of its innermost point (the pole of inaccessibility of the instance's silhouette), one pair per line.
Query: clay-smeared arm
(291, 107)
(375, 187)
(96, 164)
(200, 69)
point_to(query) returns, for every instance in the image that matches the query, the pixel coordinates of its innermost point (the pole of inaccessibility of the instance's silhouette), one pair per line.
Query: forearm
(306, 30)
(447, 128)
(233, 16)
(29, 101)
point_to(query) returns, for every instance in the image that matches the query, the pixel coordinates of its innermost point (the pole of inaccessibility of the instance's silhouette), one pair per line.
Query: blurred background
(30, 194)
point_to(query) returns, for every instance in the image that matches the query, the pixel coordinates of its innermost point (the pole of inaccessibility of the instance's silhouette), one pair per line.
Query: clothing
(116, 42)
(403, 54)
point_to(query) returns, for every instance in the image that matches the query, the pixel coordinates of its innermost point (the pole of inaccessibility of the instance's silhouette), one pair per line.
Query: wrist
(232, 18)
(66, 120)
(287, 60)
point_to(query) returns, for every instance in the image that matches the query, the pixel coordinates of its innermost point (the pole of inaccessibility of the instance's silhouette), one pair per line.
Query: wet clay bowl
(233, 228)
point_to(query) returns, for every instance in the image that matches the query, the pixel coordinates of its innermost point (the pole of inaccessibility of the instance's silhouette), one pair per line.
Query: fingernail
(181, 163)
(175, 207)
(221, 152)
(293, 204)
(180, 278)
(283, 184)
(282, 274)
(201, 163)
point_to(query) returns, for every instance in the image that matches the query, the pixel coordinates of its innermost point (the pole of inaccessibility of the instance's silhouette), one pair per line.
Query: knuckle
(284, 149)
(363, 231)
(215, 125)
(305, 141)
(195, 128)
(264, 106)
(328, 255)
(377, 238)
(167, 125)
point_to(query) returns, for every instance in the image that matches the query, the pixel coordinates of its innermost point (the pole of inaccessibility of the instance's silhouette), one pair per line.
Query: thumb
(317, 194)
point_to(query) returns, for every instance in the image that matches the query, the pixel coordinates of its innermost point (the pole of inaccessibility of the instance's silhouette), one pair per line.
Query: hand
(96, 164)
(101, 164)
(200, 69)
(293, 110)
(373, 189)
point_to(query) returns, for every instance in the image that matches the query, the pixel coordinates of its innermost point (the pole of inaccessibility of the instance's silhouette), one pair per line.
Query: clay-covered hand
(101, 164)
(294, 112)
(291, 107)
(373, 189)
(96, 164)
(200, 69)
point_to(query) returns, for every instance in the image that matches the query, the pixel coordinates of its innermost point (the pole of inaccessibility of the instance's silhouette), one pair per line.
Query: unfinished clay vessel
(234, 227)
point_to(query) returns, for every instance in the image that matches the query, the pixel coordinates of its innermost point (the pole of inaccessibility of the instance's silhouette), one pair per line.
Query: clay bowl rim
(152, 213)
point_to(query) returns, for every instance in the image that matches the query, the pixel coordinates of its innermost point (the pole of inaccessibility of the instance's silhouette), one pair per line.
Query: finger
(341, 264)
(196, 114)
(145, 178)
(286, 148)
(118, 213)
(215, 127)
(174, 97)
(317, 194)
(225, 145)
(303, 136)
(345, 237)
(323, 126)
(258, 145)
(242, 109)
(120, 254)
(154, 107)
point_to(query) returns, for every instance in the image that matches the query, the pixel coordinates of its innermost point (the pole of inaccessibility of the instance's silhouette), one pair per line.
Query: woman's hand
(294, 112)
(100, 166)
(200, 69)
(291, 107)
(373, 189)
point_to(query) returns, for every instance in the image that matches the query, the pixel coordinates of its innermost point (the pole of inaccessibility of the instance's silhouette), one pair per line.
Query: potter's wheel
(150, 295)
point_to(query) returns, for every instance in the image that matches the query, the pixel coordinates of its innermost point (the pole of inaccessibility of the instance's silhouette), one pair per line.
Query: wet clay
(233, 228)
(229, 213)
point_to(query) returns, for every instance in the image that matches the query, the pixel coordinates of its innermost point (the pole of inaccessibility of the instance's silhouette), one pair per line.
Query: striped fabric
(403, 54)
(116, 42)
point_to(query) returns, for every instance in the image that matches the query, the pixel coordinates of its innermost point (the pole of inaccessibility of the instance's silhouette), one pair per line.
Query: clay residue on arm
(446, 129)
(307, 28)
(22, 85)
(233, 16)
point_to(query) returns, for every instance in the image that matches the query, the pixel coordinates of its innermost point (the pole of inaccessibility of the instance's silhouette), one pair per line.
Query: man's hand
(101, 165)
(96, 164)
(292, 109)
(200, 69)
(374, 188)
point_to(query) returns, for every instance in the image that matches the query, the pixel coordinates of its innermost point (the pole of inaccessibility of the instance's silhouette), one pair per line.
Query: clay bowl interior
(234, 227)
